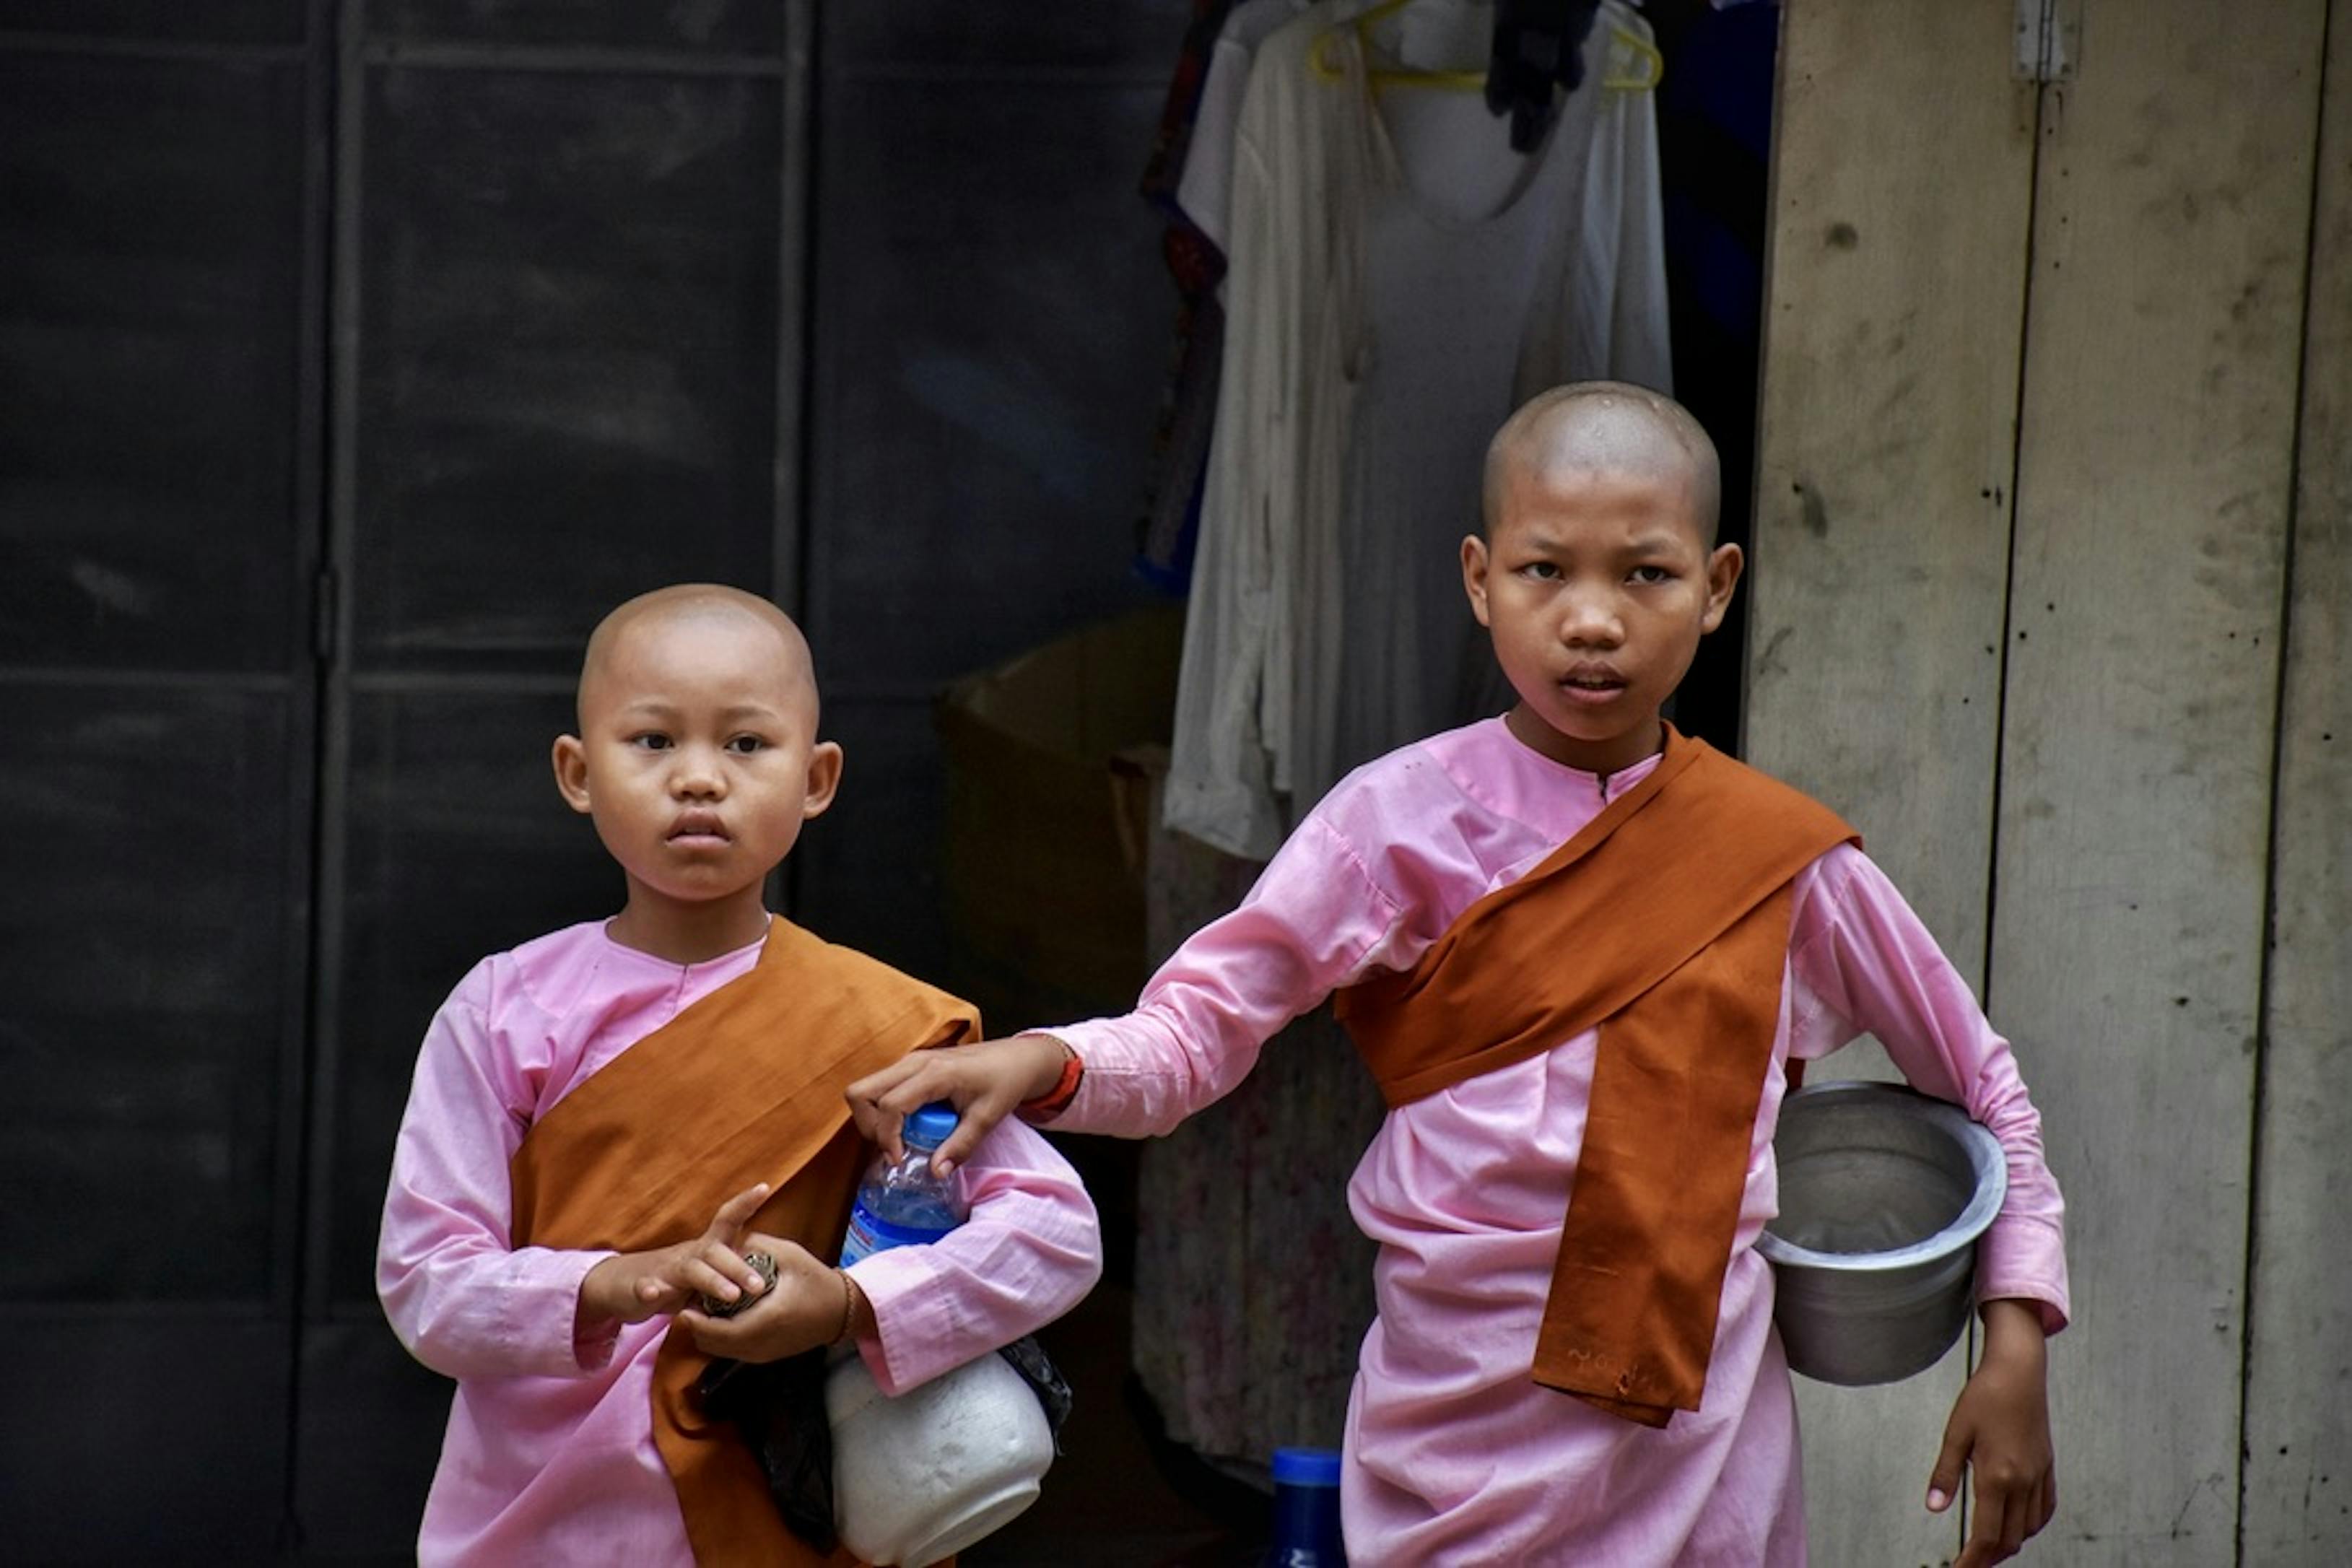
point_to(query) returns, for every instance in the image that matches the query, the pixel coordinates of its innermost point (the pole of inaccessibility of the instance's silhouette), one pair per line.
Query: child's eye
(650, 742)
(744, 745)
(1653, 574)
(1542, 571)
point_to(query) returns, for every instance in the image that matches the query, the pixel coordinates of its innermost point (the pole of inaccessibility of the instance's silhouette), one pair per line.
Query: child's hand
(1999, 1430)
(984, 1082)
(809, 1305)
(634, 1286)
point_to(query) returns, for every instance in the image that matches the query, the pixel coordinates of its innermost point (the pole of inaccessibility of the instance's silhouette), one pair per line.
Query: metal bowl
(1884, 1191)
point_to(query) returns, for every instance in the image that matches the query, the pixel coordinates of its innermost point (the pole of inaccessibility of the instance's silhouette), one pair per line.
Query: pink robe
(550, 1453)
(1453, 1455)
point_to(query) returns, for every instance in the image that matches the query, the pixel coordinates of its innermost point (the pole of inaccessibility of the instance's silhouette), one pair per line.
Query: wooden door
(158, 479)
(2036, 355)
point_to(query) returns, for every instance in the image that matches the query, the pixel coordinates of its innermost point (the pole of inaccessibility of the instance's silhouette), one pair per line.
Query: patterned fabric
(1253, 1285)
(1169, 517)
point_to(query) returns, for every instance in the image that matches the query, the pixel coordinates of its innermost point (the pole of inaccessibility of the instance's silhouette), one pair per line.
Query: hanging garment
(1240, 1354)
(1537, 54)
(1180, 446)
(1397, 281)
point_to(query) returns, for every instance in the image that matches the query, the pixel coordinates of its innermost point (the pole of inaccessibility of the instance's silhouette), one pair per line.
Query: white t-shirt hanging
(1204, 189)
(1398, 280)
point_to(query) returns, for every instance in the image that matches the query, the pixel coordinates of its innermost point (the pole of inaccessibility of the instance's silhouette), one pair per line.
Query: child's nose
(698, 772)
(1591, 620)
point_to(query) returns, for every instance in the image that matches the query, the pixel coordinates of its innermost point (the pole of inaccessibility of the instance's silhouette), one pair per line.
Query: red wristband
(1055, 1100)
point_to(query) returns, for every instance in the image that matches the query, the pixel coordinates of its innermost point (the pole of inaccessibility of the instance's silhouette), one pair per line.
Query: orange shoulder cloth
(1664, 923)
(742, 1087)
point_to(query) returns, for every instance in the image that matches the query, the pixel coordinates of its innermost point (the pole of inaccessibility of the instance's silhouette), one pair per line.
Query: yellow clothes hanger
(1634, 64)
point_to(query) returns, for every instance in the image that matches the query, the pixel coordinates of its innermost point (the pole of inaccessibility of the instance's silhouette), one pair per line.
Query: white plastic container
(920, 1478)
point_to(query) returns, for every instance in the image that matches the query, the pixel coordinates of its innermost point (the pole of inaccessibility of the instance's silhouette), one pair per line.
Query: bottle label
(869, 1235)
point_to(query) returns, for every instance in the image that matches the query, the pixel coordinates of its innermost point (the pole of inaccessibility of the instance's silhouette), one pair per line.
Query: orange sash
(742, 1087)
(1664, 922)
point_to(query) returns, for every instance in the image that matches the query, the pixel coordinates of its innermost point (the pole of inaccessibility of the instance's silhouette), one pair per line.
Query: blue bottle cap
(929, 1128)
(1307, 1466)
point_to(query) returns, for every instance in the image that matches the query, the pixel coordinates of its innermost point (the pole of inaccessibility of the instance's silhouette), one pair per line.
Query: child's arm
(1864, 961)
(462, 1299)
(1315, 921)
(1031, 1250)
(2000, 1427)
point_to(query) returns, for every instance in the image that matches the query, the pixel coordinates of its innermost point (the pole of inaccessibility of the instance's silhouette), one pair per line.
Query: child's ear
(1722, 576)
(1474, 575)
(572, 772)
(824, 778)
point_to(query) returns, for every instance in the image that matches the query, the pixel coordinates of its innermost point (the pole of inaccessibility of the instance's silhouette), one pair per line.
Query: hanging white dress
(1398, 280)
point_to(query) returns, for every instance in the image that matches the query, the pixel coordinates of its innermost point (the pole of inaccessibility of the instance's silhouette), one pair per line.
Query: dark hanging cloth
(1715, 146)
(1539, 55)
(1168, 524)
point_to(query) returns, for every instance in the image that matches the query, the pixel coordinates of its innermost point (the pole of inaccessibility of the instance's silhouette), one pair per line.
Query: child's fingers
(719, 1274)
(1944, 1480)
(1995, 1533)
(2045, 1503)
(977, 1118)
(705, 1330)
(653, 1296)
(2013, 1523)
(874, 1102)
(735, 1213)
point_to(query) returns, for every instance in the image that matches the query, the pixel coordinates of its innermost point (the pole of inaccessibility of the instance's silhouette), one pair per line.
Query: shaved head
(707, 604)
(1589, 427)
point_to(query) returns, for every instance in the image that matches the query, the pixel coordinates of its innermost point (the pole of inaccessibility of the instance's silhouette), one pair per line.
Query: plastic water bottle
(1305, 1510)
(899, 1202)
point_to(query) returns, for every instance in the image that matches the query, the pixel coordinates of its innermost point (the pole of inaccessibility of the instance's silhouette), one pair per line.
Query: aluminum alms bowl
(1884, 1191)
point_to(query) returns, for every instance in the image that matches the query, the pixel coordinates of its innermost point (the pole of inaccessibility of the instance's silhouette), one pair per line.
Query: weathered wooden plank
(2296, 1502)
(2162, 341)
(1902, 172)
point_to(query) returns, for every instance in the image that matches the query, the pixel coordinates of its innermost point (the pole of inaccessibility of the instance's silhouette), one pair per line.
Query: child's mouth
(1593, 688)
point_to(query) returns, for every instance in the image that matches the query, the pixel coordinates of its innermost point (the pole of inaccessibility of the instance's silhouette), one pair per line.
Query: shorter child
(1584, 957)
(605, 1121)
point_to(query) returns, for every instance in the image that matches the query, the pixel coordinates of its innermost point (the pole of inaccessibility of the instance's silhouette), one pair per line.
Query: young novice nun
(606, 1120)
(1579, 952)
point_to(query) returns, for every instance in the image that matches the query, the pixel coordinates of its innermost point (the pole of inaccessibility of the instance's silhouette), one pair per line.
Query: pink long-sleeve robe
(1453, 1455)
(550, 1456)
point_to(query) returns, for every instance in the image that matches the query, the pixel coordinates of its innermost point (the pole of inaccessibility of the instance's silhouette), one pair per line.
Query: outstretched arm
(984, 1082)
(1315, 921)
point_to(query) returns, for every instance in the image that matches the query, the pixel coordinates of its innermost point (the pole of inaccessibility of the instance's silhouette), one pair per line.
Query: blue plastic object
(929, 1128)
(1305, 1510)
(899, 1202)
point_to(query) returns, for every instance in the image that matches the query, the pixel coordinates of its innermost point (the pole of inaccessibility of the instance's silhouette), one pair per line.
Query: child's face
(1596, 585)
(697, 757)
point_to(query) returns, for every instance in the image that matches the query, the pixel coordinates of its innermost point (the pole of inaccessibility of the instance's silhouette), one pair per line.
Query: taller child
(1579, 952)
(604, 1119)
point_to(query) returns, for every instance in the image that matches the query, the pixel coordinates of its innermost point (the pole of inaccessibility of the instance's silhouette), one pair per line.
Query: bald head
(701, 605)
(1591, 427)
